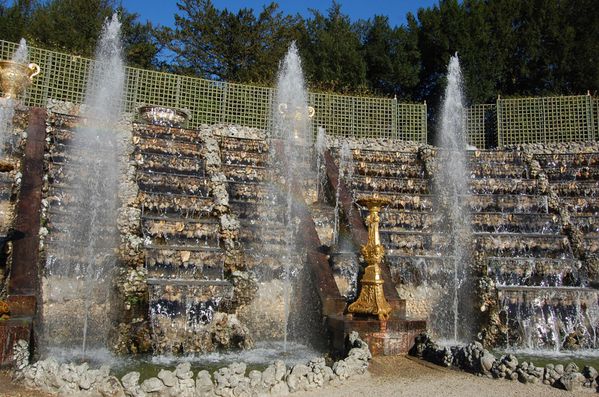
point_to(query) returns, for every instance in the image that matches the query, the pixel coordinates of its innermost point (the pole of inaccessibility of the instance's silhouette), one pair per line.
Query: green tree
(240, 47)
(73, 26)
(14, 19)
(332, 53)
(391, 56)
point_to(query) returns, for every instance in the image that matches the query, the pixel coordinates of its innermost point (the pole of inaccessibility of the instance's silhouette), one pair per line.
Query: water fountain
(450, 183)
(81, 255)
(291, 122)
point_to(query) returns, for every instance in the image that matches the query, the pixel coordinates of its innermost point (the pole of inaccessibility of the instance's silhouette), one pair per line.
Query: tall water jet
(451, 183)
(291, 122)
(81, 254)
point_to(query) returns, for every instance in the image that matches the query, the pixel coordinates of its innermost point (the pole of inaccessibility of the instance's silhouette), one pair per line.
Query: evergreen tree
(332, 53)
(238, 47)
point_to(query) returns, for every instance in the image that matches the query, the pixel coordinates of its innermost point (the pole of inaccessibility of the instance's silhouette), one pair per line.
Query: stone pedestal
(11, 331)
(385, 338)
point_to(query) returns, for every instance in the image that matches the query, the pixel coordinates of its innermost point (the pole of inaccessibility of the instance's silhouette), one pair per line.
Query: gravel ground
(403, 376)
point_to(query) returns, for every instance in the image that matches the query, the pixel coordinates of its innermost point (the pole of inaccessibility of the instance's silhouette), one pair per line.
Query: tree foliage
(238, 47)
(73, 26)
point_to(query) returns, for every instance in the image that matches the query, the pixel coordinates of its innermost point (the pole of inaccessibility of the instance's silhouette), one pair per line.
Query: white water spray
(291, 122)
(451, 183)
(82, 259)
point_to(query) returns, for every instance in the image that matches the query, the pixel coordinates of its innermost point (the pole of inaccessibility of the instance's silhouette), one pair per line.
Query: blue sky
(162, 11)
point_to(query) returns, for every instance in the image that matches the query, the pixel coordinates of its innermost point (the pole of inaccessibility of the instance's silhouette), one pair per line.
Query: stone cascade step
(507, 203)
(181, 231)
(525, 271)
(181, 236)
(246, 145)
(588, 225)
(169, 163)
(418, 269)
(380, 157)
(496, 156)
(413, 202)
(570, 166)
(503, 186)
(166, 133)
(398, 220)
(576, 188)
(241, 158)
(391, 185)
(391, 170)
(245, 173)
(416, 243)
(165, 182)
(498, 222)
(180, 309)
(188, 262)
(582, 206)
(497, 170)
(522, 245)
(178, 205)
(161, 145)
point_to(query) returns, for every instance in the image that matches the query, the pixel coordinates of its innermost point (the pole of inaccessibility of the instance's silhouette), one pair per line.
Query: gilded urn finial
(372, 297)
(296, 115)
(15, 77)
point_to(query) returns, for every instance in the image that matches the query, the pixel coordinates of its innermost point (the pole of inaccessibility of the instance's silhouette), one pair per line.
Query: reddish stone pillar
(24, 275)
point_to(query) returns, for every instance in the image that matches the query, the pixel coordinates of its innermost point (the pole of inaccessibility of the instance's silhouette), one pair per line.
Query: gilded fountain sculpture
(16, 77)
(372, 297)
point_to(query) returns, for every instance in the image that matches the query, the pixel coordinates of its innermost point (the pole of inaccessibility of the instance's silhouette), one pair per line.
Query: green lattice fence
(63, 78)
(481, 125)
(545, 120)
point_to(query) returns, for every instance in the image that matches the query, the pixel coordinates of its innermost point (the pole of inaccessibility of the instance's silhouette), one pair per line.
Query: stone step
(576, 188)
(161, 146)
(245, 158)
(150, 181)
(186, 206)
(494, 169)
(391, 170)
(179, 309)
(171, 134)
(184, 262)
(390, 185)
(523, 245)
(380, 156)
(245, 173)
(553, 296)
(533, 271)
(178, 231)
(588, 206)
(168, 163)
(237, 144)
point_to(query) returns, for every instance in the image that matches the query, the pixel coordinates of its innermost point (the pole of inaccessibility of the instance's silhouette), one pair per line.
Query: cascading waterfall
(81, 253)
(451, 183)
(292, 124)
(346, 170)
(7, 105)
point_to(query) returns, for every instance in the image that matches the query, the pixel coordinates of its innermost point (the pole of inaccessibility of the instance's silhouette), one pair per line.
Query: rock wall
(234, 380)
